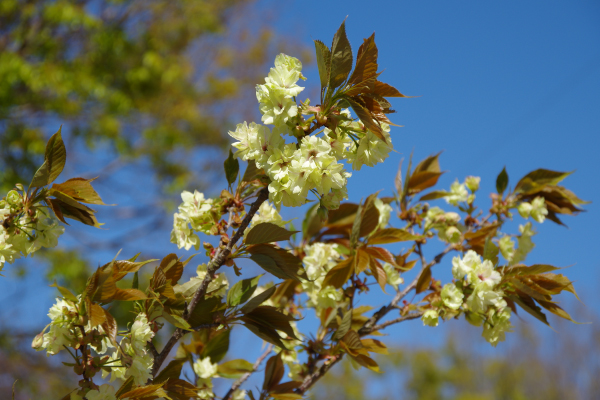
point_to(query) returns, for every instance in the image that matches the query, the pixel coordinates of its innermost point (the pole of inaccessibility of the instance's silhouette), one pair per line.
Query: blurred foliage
(525, 368)
(150, 78)
(34, 375)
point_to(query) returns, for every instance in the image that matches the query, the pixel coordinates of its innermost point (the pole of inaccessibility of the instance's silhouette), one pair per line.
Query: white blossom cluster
(195, 215)
(536, 209)
(132, 357)
(29, 234)
(63, 315)
(314, 163)
(319, 259)
(445, 223)
(459, 193)
(484, 304)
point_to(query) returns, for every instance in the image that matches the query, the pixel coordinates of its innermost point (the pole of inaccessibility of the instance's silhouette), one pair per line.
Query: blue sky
(509, 83)
(499, 84)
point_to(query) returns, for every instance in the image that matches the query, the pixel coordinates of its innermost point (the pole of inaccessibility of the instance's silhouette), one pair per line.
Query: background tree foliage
(527, 369)
(151, 78)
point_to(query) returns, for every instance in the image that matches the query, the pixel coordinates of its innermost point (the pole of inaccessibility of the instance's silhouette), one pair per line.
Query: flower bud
(38, 341)
(472, 183)
(524, 209)
(430, 318)
(453, 234)
(13, 198)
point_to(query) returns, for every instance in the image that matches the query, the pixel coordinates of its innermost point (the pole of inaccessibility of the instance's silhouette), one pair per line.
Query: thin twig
(217, 261)
(407, 317)
(245, 377)
(315, 376)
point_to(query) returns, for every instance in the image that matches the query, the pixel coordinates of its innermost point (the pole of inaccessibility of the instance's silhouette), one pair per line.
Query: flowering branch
(216, 263)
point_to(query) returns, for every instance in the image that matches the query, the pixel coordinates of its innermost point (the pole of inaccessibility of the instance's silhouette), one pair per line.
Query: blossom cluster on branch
(326, 269)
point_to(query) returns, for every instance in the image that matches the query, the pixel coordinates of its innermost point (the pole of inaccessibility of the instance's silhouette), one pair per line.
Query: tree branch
(407, 317)
(369, 326)
(217, 261)
(315, 376)
(245, 377)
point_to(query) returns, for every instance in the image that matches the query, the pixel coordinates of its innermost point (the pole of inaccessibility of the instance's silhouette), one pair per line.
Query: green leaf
(267, 232)
(378, 272)
(539, 178)
(502, 181)
(232, 168)
(128, 295)
(146, 392)
(420, 181)
(556, 310)
(242, 291)
(490, 251)
(172, 267)
(312, 224)
(171, 371)
(355, 233)
(531, 270)
(370, 216)
(391, 235)
(344, 326)
(424, 280)
(323, 62)
(135, 282)
(96, 315)
(528, 304)
(258, 300)
(437, 194)
(79, 189)
(235, 368)
(276, 261)
(341, 58)
(366, 63)
(339, 275)
(366, 118)
(66, 293)
(271, 317)
(273, 372)
(176, 321)
(265, 332)
(54, 161)
(217, 347)
(205, 312)
(180, 389)
(64, 206)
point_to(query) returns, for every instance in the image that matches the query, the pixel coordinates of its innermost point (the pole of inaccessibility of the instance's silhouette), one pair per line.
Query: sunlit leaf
(267, 232)
(217, 346)
(234, 369)
(232, 168)
(242, 291)
(341, 58)
(502, 181)
(54, 161)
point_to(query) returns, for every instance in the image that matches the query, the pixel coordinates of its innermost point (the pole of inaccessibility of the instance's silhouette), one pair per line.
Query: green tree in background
(151, 78)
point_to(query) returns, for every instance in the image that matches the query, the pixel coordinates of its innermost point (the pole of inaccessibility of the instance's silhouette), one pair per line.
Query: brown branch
(369, 326)
(315, 376)
(217, 261)
(407, 317)
(245, 377)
